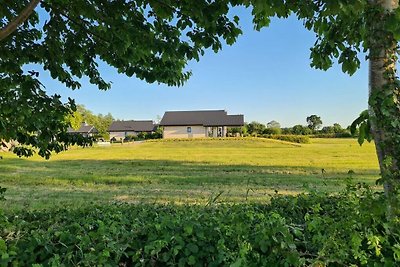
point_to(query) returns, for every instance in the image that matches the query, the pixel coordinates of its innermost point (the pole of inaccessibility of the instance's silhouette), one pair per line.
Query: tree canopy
(314, 122)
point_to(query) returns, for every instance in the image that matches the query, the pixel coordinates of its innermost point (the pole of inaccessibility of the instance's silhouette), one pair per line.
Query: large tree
(314, 122)
(154, 40)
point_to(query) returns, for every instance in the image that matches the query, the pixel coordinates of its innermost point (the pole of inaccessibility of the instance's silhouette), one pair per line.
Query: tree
(301, 130)
(273, 124)
(100, 122)
(75, 120)
(273, 127)
(314, 122)
(153, 40)
(255, 127)
(272, 131)
(327, 130)
(337, 128)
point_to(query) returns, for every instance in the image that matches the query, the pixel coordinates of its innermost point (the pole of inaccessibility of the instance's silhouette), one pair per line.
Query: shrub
(333, 135)
(272, 131)
(129, 138)
(346, 229)
(300, 139)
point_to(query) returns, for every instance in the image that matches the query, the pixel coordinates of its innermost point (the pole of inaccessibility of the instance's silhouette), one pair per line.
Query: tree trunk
(383, 98)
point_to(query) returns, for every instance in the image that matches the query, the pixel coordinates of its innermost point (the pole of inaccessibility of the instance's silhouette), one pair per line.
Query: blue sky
(266, 76)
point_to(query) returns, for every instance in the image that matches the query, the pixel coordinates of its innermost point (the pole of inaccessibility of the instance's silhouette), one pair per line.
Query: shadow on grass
(131, 172)
(46, 184)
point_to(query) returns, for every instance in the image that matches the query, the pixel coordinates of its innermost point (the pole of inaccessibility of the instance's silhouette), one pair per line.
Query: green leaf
(191, 260)
(3, 246)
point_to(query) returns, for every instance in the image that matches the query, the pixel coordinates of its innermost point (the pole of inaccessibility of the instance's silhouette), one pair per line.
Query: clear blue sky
(265, 76)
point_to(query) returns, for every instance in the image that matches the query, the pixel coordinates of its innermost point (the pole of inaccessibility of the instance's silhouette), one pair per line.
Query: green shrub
(347, 229)
(333, 135)
(272, 130)
(300, 139)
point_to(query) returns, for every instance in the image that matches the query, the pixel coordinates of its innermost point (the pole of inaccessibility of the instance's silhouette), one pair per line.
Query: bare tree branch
(21, 18)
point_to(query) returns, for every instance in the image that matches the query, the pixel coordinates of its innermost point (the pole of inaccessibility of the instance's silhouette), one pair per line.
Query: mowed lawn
(185, 172)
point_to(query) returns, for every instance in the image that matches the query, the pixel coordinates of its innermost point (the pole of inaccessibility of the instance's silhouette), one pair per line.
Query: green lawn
(184, 172)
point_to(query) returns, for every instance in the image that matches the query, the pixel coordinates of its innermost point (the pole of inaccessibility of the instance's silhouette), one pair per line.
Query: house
(197, 124)
(121, 129)
(85, 130)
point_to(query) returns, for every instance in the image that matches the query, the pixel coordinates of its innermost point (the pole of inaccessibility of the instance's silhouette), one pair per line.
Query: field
(249, 170)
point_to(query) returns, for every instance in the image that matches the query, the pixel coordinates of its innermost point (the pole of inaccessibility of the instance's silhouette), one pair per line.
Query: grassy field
(185, 172)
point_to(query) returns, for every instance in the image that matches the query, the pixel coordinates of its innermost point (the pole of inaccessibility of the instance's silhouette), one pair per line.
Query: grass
(184, 172)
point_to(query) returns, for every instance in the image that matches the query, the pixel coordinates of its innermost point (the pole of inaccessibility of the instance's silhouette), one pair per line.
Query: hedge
(347, 229)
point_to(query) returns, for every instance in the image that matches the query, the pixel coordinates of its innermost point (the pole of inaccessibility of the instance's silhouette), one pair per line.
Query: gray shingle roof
(85, 128)
(132, 126)
(201, 117)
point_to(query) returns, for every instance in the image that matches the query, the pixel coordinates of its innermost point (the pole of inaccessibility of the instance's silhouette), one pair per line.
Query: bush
(272, 131)
(129, 138)
(333, 135)
(346, 229)
(300, 139)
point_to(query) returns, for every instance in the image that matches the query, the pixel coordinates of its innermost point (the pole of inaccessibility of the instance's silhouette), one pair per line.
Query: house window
(189, 129)
(219, 131)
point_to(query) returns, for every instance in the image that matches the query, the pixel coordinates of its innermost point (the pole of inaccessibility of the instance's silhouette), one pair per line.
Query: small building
(197, 124)
(121, 129)
(85, 130)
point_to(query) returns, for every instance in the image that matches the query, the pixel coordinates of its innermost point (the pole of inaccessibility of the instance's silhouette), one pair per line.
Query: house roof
(132, 126)
(85, 128)
(201, 117)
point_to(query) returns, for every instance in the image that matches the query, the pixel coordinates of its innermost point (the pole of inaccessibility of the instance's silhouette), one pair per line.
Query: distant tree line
(254, 128)
(313, 128)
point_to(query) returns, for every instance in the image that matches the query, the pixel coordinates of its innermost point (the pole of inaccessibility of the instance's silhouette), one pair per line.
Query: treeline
(313, 128)
(100, 122)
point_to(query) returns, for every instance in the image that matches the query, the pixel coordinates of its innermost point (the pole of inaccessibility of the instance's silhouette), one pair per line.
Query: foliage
(100, 122)
(273, 124)
(301, 139)
(2, 192)
(255, 128)
(362, 126)
(300, 130)
(33, 119)
(75, 119)
(334, 129)
(348, 229)
(235, 131)
(345, 134)
(151, 40)
(271, 130)
(314, 122)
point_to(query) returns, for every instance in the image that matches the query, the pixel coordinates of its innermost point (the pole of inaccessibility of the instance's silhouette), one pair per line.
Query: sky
(265, 75)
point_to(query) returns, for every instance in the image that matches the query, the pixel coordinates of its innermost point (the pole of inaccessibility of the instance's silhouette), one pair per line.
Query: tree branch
(21, 18)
